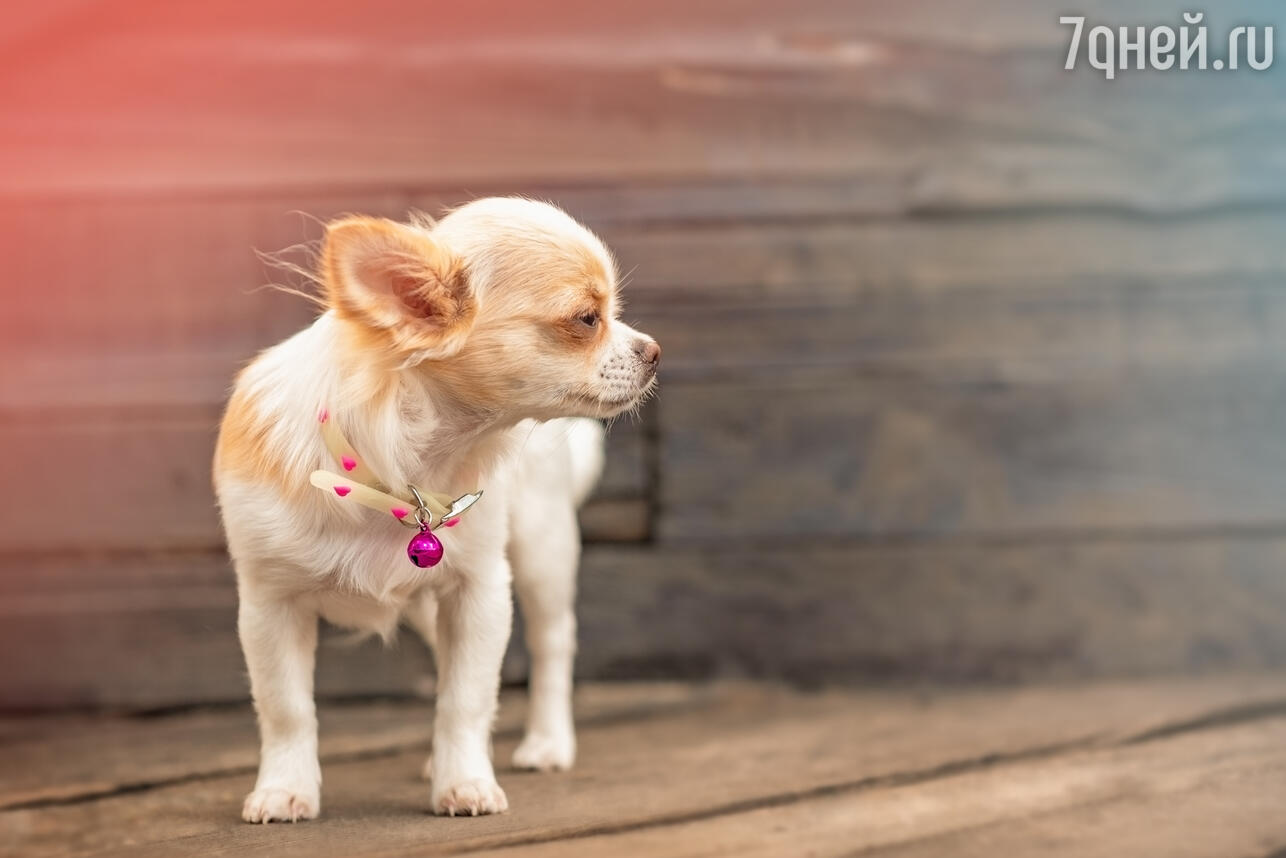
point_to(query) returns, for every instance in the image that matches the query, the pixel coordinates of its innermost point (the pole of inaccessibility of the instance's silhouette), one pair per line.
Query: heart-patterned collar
(425, 511)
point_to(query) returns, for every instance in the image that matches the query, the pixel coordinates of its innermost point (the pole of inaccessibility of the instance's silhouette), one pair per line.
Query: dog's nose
(648, 351)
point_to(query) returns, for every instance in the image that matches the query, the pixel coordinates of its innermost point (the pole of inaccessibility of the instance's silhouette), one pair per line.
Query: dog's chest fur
(349, 561)
(355, 569)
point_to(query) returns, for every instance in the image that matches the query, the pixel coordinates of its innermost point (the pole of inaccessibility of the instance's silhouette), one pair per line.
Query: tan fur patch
(243, 442)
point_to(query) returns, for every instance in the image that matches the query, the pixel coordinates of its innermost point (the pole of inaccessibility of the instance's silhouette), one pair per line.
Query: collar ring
(423, 515)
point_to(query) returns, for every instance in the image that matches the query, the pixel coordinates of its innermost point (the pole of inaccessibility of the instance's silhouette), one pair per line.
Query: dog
(477, 352)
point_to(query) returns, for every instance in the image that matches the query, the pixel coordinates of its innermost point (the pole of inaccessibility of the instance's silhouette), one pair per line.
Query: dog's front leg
(545, 552)
(280, 640)
(474, 617)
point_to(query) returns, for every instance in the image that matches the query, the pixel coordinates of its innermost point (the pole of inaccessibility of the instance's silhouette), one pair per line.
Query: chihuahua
(470, 356)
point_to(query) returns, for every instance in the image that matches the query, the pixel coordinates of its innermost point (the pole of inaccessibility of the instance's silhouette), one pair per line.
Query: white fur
(307, 555)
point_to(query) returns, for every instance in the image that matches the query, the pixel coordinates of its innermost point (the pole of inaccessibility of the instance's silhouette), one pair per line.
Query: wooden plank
(159, 645)
(968, 316)
(950, 611)
(1211, 796)
(141, 483)
(151, 621)
(617, 520)
(153, 341)
(965, 333)
(691, 95)
(141, 405)
(61, 759)
(168, 451)
(973, 334)
(179, 277)
(1206, 795)
(914, 455)
(749, 747)
(932, 257)
(979, 26)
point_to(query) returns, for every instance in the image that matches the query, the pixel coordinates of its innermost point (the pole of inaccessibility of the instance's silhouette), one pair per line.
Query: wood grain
(1208, 796)
(71, 758)
(951, 756)
(1198, 796)
(927, 258)
(127, 633)
(149, 483)
(1102, 269)
(1114, 451)
(948, 611)
(948, 340)
(953, 106)
(928, 303)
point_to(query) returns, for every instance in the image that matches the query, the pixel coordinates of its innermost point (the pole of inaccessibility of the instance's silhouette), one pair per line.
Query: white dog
(441, 347)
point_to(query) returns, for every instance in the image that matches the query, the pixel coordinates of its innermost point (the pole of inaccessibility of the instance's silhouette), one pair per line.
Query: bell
(424, 549)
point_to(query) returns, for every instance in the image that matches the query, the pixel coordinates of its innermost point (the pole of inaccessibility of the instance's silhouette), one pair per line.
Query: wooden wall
(973, 366)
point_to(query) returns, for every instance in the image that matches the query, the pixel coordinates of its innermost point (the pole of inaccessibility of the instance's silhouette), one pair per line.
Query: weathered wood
(1203, 795)
(916, 455)
(741, 749)
(968, 334)
(139, 632)
(141, 483)
(734, 90)
(949, 611)
(149, 481)
(60, 759)
(979, 310)
(143, 647)
(133, 633)
(616, 520)
(930, 258)
(910, 297)
(966, 318)
(1209, 796)
(149, 280)
(990, 270)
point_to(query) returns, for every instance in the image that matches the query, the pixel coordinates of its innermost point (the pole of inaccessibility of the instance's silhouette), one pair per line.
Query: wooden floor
(1167, 768)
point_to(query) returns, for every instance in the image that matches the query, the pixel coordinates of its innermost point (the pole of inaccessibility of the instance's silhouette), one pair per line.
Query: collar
(415, 507)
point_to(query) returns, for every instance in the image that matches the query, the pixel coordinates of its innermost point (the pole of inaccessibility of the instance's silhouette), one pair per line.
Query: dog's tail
(585, 442)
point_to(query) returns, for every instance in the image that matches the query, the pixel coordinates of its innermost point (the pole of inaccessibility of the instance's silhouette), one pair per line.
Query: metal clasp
(423, 515)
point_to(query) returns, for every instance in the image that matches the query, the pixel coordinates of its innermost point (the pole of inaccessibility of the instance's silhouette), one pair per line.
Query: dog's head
(509, 302)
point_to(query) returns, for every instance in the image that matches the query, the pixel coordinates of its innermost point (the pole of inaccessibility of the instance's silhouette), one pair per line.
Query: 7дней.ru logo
(1164, 47)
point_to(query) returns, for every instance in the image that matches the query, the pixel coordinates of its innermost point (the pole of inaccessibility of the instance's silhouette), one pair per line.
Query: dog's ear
(396, 278)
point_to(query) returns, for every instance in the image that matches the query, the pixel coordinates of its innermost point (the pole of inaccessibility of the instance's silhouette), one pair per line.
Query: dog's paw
(545, 752)
(272, 804)
(470, 798)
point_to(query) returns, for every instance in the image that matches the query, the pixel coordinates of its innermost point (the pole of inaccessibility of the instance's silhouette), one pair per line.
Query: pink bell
(424, 549)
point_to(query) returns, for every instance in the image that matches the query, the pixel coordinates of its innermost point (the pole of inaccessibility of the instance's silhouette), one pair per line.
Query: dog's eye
(589, 319)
